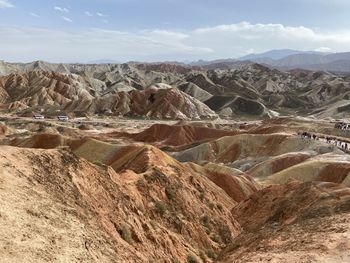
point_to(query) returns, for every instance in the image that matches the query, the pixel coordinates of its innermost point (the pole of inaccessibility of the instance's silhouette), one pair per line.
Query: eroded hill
(236, 192)
(171, 91)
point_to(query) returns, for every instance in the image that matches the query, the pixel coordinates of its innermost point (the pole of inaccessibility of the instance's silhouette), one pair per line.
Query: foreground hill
(80, 212)
(294, 222)
(140, 158)
(57, 207)
(239, 192)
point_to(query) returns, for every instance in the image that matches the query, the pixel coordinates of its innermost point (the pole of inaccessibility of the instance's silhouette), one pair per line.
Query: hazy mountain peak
(278, 54)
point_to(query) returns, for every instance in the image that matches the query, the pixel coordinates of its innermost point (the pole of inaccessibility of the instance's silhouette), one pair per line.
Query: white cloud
(87, 13)
(67, 19)
(256, 31)
(61, 9)
(222, 41)
(234, 40)
(92, 44)
(164, 34)
(100, 14)
(34, 15)
(5, 4)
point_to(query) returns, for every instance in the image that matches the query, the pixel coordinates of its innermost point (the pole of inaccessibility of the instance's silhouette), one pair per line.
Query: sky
(168, 30)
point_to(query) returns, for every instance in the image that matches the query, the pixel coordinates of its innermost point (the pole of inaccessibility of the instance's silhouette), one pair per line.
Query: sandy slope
(138, 204)
(57, 207)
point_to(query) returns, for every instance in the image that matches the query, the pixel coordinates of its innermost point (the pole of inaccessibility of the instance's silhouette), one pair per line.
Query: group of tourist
(328, 139)
(307, 135)
(336, 142)
(342, 126)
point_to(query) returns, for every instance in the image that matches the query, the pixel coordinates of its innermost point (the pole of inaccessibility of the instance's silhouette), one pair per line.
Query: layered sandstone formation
(247, 91)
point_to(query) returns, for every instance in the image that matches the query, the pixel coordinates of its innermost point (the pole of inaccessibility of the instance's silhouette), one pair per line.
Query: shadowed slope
(236, 184)
(153, 103)
(176, 135)
(276, 164)
(295, 222)
(233, 148)
(326, 168)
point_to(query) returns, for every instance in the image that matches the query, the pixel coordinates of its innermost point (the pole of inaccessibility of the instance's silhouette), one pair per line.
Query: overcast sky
(159, 30)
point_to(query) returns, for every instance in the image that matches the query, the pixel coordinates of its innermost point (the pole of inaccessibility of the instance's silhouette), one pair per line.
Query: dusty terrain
(119, 190)
(173, 163)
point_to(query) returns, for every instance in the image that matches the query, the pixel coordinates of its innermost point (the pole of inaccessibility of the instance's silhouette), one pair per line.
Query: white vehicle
(63, 118)
(39, 117)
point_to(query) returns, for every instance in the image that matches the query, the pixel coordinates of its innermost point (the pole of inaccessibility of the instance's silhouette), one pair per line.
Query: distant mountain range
(283, 59)
(291, 59)
(287, 59)
(278, 54)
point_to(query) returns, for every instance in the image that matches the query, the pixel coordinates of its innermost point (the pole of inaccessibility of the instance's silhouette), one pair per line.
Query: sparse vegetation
(160, 207)
(220, 207)
(175, 260)
(125, 233)
(170, 192)
(205, 220)
(211, 206)
(202, 196)
(208, 231)
(140, 183)
(192, 258)
(216, 238)
(211, 254)
(206, 223)
(203, 256)
(225, 233)
(157, 176)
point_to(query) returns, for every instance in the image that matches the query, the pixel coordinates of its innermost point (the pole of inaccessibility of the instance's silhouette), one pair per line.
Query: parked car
(39, 117)
(63, 118)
